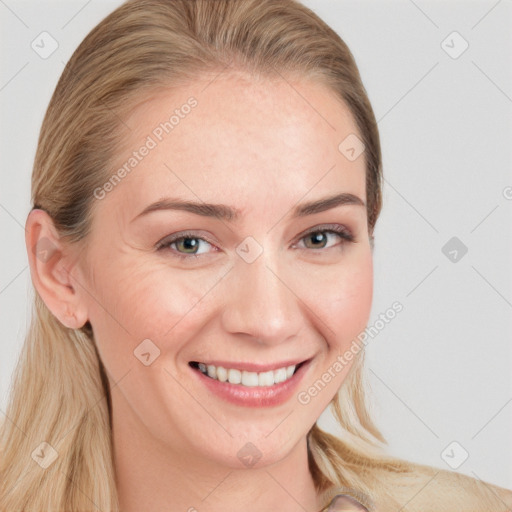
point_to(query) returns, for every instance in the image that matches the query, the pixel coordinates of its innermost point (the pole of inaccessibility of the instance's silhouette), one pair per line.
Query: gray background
(441, 370)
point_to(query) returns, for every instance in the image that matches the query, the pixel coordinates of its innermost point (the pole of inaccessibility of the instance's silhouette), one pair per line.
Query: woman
(205, 191)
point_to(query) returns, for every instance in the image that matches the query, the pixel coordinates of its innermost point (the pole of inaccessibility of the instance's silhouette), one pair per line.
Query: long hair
(60, 395)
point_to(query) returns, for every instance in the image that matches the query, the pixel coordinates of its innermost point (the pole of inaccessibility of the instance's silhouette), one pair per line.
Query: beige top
(345, 500)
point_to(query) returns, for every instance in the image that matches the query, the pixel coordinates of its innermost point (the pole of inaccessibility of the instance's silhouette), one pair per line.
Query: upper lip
(253, 367)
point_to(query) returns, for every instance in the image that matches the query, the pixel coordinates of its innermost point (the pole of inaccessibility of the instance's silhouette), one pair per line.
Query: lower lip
(255, 396)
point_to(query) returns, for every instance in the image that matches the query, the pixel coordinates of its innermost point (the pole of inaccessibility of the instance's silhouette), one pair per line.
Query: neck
(154, 476)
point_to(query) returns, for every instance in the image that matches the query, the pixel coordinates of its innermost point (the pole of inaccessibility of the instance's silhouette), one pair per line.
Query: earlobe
(50, 263)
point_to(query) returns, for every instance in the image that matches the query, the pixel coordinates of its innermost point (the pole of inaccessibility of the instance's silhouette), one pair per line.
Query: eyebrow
(228, 213)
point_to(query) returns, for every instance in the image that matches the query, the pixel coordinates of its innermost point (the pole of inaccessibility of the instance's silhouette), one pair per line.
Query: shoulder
(424, 488)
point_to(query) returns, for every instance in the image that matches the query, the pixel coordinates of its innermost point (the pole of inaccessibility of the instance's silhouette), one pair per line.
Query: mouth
(247, 378)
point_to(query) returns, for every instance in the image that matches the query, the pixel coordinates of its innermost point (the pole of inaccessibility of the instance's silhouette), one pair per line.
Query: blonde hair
(60, 394)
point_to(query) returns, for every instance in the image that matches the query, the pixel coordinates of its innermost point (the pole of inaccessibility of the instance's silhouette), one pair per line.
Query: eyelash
(343, 233)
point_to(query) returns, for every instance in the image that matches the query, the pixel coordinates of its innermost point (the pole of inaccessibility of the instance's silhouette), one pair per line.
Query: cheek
(353, 304)
(135, 302)
(342, 298)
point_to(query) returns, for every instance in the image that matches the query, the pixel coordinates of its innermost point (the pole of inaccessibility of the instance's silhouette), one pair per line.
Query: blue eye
(186, 245)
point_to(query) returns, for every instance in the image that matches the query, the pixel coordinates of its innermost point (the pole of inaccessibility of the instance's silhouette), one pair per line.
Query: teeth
(266, 378)
(280, 375)
(249, 378)
(245, 378)
(235, 376)
(222, 374)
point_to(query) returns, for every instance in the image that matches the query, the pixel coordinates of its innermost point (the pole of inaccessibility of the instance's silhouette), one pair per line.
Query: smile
(244, 377)
(243, 385)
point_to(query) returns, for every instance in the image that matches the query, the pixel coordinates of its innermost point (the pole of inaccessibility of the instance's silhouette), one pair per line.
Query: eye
(184, 244)
(317, 238)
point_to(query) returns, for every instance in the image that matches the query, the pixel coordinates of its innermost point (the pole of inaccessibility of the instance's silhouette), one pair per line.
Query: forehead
(239, 140)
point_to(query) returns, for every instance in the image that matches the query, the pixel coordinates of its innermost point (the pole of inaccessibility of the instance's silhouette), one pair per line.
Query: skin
(261, 146)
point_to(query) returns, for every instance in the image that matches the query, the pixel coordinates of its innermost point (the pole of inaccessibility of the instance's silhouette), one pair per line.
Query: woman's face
(251, 290)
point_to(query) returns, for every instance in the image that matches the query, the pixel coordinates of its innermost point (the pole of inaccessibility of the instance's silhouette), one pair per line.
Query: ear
(51, 263)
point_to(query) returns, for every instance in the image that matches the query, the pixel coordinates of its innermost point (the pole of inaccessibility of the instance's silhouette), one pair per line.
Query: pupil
(189, 243)
(318, 237)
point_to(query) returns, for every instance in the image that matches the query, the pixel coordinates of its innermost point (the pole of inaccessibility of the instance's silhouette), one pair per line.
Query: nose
(260, 302)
